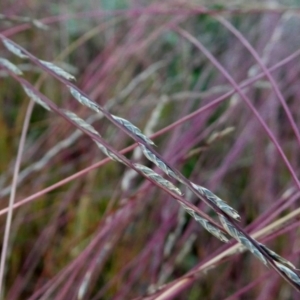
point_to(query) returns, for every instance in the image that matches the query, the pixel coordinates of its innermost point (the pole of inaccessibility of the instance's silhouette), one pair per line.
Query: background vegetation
(85, 227)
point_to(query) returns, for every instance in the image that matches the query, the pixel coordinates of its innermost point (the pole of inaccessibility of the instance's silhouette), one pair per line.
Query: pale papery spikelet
(288, 272)
(217, 201)
(108, 153)
(33, 96)
(158, 162)
(14, 49)
(10, 66)
(211, 229)
(83, 124)
(133, 129)
(206, 224)
(57, 70)
(252, 248)
(240, 237)
(277, 257)
(38, 24)
(157, 178)
(84, 100)
(231, 230)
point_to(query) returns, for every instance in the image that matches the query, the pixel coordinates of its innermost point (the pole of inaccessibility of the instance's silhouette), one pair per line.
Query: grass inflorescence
(131, 71)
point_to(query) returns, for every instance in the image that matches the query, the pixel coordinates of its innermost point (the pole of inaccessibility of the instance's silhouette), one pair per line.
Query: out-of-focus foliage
(109, 233)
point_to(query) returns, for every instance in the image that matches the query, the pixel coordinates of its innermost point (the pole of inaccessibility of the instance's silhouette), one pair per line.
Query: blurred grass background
(117, 233)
